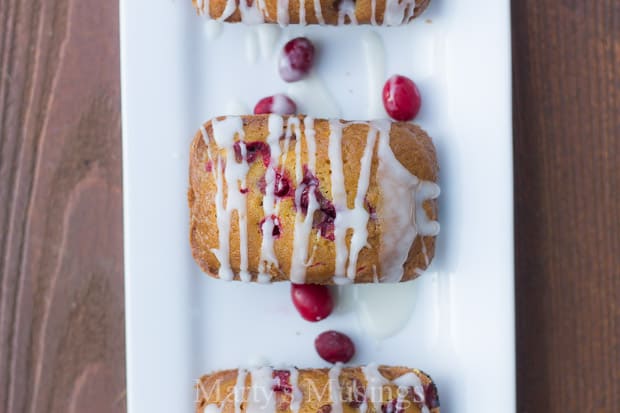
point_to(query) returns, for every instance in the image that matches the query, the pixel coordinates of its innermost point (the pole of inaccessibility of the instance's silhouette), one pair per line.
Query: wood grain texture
(61, 285)
(567, 180)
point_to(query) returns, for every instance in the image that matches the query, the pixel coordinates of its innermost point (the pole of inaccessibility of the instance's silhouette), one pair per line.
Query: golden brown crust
(329, 11)
(412, 147)
(218, 389)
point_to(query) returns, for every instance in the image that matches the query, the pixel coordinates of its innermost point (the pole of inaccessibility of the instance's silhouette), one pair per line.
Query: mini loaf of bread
(339, 12)
(316, 201)
(369, 389)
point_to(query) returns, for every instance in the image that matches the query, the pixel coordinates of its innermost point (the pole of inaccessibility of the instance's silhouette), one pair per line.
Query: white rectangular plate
(181, 323)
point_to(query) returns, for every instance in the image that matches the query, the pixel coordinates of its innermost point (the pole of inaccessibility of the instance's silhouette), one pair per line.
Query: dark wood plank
(567, 179)
(61, 284)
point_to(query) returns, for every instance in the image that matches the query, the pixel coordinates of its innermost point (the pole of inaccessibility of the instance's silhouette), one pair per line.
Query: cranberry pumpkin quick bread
(368, 389)
(317, 201)
(284, 12)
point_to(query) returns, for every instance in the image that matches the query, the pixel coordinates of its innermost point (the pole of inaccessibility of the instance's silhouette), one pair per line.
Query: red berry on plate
(314, 302)
(296, 59)
(401, 98)
(278, 104)
(334, 347)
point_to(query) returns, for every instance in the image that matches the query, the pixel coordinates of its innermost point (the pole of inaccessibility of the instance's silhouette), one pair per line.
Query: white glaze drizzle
(224, 132)
(239, 390)
(356, 218)
(302, 12)
(303, 224)
(402, 222)
(260, 397)
(375, 382)
(375, 277)
(359, 216)
(335, 393)
(229, 9)
(283, 12)
(339, 196)
(425, 191)
(296, 393)
(406, 381)
(251, 14)
(374, 385)
(263, 8)
(268, 257)
(373, 12)
(223, 225)
(398, 12)
(346, 9)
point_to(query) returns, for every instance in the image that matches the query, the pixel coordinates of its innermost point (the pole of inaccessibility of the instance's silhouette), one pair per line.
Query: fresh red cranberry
(314, 302)
(252, 150)
(281, 382)
(401, 98)
(278, 104)
(244, 190)
(296, 59)
(276, 226)
(334, 347)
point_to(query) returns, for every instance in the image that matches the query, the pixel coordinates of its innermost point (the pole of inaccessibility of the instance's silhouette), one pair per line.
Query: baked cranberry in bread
(368, 389)
(315, 201)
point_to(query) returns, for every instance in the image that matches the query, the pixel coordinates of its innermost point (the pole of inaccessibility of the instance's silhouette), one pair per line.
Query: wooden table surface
(61, 272)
